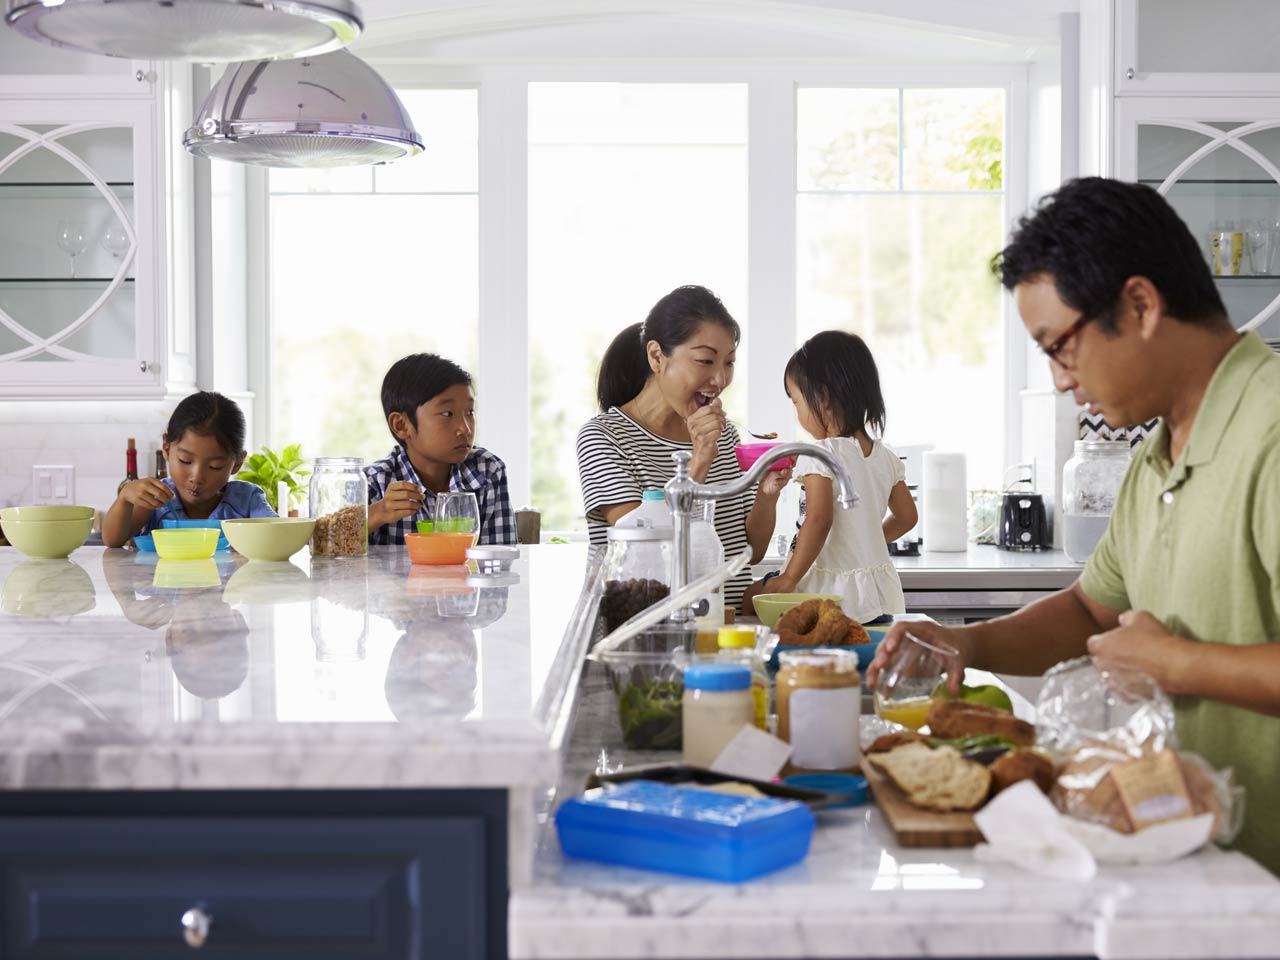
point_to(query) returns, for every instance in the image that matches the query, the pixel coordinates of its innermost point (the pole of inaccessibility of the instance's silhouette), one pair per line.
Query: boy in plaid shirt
(429, 404)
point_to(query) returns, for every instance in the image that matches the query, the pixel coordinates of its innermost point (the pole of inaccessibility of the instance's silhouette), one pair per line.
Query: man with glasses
(1185, 584)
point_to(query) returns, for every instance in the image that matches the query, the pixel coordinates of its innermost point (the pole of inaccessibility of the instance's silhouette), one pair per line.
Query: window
(634, 189)
(900, 207)
(369, 264)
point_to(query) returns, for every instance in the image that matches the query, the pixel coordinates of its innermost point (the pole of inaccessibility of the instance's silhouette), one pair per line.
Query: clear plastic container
(717, 704)
(1090, 482)
(652, 512)
(706, 553)
(637, 572)
(339, 501)
(647, 677)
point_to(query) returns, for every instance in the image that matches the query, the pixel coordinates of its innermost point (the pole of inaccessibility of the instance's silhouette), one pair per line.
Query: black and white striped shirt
(618, 460)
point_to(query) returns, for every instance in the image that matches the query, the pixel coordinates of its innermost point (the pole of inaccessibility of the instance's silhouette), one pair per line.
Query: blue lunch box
(697, 833)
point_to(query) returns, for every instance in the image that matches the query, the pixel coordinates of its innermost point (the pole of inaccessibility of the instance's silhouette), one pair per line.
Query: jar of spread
(717, 704)
(819, 703)
(738, 645)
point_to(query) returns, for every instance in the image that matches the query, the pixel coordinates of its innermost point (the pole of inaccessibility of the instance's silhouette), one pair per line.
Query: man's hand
(929, 632)
(705, 426)
(1142, 642)
(147, 493)
(402, 499)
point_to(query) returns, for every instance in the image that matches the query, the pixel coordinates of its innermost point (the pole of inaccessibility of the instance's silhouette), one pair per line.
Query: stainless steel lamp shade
(327, 111)
(203, 31)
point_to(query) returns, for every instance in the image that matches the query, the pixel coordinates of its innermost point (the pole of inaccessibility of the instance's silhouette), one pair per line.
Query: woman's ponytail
(623, 369)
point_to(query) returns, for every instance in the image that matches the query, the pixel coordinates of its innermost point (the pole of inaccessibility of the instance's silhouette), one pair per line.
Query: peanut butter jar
(819, 697)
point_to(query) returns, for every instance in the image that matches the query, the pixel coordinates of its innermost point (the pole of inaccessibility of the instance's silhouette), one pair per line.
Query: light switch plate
(53, 484)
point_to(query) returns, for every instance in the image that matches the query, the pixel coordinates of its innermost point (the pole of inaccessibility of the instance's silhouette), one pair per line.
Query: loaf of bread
(936, 779)
(949, 719)
(1017, 765)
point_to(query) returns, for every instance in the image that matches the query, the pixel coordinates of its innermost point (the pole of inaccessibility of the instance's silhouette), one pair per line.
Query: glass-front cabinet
(78, 259)
(1217, 160)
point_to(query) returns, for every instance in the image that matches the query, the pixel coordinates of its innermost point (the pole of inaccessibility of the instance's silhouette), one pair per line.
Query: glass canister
(819, 697)
(1090, 482)
(340, 504)
(637, 572)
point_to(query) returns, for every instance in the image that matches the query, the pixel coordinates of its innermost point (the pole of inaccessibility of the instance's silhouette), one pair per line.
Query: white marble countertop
(858, 894)
(121, 672)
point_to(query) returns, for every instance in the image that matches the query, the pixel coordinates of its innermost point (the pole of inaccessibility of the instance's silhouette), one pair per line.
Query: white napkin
(1022, 827)
(1155, 844)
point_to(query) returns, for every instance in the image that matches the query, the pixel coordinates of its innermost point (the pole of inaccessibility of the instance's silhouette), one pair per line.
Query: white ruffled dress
(854, 562)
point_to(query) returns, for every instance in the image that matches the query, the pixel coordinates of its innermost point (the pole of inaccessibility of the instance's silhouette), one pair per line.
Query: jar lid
(653, 495)
(837, 661)
(641, 534)
(850, 790)
(717, 676)
(736, 637)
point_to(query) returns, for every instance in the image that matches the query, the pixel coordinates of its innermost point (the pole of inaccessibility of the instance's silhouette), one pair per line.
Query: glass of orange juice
(905, 686)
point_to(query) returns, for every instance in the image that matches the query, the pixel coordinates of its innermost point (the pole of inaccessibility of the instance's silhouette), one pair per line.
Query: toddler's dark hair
(210, 415)
(834, 369)
(415, 379)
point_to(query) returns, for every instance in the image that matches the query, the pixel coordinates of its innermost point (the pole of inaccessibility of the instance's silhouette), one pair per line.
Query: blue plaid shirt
(481, 473)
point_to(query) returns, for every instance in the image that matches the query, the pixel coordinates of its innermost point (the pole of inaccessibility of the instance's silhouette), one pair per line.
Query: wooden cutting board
(913, 826)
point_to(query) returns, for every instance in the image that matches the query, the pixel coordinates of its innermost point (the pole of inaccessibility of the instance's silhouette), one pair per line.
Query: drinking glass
(906, 686)
(72, 241)
(115, 241)
(457, 513)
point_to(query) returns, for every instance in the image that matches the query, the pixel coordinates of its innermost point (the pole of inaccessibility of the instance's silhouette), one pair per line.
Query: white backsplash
(89, 435)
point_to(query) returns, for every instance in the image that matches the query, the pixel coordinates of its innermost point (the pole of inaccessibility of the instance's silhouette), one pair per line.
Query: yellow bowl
(46, 513)
(47, 539)
(268, 538)
(186, 544)
(771, 606)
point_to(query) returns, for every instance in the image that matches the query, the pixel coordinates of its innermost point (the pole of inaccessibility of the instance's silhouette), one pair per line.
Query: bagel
(819, 623)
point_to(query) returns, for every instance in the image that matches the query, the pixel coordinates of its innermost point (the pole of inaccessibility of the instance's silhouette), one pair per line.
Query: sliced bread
(935, 778)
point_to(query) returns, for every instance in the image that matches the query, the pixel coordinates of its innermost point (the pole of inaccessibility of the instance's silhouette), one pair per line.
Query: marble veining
(121, 671)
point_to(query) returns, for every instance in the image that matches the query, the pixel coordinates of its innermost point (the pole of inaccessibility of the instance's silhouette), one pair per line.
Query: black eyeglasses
(1054, 348)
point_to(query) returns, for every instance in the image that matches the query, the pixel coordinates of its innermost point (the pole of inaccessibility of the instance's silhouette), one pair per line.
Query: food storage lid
(736, 637)
(717, 676)
(685, 830)
(849, 790)
(653, 495)
(640, 534)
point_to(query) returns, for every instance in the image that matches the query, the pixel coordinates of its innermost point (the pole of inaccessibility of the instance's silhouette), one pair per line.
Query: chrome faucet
(682, 490)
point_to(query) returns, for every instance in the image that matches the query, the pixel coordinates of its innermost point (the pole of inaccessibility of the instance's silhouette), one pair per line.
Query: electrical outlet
(53, 484)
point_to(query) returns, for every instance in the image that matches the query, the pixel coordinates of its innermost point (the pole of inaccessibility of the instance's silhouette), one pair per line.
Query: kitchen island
(359, 758)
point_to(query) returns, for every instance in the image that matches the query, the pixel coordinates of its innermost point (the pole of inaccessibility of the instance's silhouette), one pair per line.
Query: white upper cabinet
(1190, 47)
(1217, 160)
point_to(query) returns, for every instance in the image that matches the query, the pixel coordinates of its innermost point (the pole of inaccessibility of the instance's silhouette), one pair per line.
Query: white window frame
(503, 373)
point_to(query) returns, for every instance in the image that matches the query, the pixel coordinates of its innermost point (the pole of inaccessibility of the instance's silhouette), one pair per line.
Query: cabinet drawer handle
(195, 927)
(143, 365)
(1130, 74)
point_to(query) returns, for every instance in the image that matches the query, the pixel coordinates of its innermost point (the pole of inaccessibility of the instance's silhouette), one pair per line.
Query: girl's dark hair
(415, 379)
(834, 369)
(210, 415)
(673, 320)
(1093, 234)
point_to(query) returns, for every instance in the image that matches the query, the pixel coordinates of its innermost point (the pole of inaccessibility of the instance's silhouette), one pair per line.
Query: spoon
(764, 436)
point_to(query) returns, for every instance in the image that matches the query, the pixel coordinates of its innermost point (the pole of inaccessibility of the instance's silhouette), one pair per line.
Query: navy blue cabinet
(252, 887)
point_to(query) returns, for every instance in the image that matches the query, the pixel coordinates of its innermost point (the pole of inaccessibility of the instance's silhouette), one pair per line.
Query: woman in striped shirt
(659, 391)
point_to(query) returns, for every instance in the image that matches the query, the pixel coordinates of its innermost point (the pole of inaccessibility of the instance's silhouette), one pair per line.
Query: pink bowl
(749, 453)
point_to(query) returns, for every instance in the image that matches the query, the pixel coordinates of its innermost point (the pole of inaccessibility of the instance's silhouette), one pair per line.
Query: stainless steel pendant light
(203, 31)
(327, 111)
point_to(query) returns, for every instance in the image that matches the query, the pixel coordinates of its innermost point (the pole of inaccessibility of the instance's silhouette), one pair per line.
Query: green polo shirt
(1197, 544)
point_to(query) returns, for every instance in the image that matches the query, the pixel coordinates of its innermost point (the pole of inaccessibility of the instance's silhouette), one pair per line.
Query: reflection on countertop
(121, 671)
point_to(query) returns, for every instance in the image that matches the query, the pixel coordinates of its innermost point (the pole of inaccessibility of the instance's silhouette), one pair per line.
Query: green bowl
(189, 544)
(268, 538)
(23, 514)
(771, 606)
(47, 539)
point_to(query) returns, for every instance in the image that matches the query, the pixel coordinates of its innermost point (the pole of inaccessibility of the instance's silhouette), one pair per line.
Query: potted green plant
(269, 469)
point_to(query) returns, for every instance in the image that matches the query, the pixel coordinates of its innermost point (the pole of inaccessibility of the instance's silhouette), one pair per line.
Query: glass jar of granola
(340, 504)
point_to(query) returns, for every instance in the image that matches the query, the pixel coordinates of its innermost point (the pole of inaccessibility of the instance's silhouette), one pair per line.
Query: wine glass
(115, 241)
(72, 241)
(458, 513)
(906, 685)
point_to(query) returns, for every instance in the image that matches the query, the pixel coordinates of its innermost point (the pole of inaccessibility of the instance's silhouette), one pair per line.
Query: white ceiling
(860, 29)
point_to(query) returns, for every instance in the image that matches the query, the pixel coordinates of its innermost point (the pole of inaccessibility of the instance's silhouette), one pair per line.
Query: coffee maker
(1023, 524)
